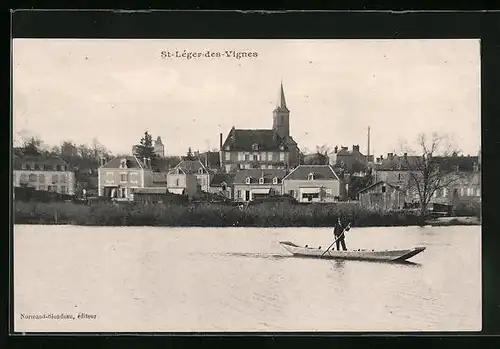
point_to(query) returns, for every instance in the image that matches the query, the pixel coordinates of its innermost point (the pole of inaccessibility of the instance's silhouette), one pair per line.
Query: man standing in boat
(339, 234)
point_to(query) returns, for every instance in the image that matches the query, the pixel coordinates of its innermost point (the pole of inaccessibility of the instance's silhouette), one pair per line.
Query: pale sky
(114, 90)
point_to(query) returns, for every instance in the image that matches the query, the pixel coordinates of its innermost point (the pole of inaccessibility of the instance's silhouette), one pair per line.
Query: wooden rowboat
(368, 255)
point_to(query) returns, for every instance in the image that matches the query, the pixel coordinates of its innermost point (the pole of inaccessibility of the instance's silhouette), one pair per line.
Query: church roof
(243, 140)
(158, 141)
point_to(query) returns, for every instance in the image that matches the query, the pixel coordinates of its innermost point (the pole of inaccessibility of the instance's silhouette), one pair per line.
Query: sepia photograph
(246, 185)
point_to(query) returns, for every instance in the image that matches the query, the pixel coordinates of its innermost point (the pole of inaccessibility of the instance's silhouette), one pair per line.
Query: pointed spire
(282, 102)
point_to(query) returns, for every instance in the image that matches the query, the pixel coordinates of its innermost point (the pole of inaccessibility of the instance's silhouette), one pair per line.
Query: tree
(145, 148)
(32, 146)
(431, 169)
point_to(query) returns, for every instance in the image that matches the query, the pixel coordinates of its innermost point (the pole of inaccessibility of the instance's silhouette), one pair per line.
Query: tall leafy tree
(145, 148)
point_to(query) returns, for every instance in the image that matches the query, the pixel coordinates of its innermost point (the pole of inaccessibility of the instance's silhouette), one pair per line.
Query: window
(310, 176)
(64, 189)
(27, 167)
(255, 147)
(228, 168)
(177, 182)
(462, 192)
(239, 194)
(275, 180)
(58, 167)
(123, 177)
(329, 192)
(282, 156)
(41, 187)
(63, 168)
(247, 180)
(33, 177)
(52, 188)
(291, 193)
(255, 157)
(469, 191)
(23, 178)
(261, 180)
(445, 192)
(241, 156)
(200, 170)
(247, 157)
(270, 156)
(384, 189)
(36, 167)
(62, 178)
(399, 176)
(41, 178)
(123, 163)
(228, 155)
(435, 194)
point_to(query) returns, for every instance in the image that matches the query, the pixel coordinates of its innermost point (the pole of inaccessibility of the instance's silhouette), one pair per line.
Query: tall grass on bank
(206, 214)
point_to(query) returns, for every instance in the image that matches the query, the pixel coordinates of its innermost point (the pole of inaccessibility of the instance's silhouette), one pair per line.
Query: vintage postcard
(246, 185)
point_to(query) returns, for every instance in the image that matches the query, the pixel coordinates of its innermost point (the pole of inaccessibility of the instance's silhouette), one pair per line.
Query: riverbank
(211, 215)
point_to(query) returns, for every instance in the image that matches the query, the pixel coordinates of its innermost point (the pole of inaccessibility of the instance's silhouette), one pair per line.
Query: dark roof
(464, 163)
(132, 162)
(213, 159)
(377, 184)
(446, 163)
(257, 173)
(164, 164)
(38, 160)
(267, 140)
(220, 178)
(322, 172)
(316, 159)
(191, 166)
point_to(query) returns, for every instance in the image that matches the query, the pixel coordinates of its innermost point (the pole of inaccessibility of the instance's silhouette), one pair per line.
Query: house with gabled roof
(257, 183)
(195, 168)
(40, 172)
(271, 148)
(314, 183)
(222, 184)
(462, 173)
(122, 175)
(382, 195)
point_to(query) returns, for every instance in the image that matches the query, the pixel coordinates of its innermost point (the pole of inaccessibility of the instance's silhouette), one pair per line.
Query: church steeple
(281, 116)
(282, 102)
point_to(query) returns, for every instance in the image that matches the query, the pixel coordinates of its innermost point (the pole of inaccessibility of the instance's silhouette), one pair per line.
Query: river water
(149, 279)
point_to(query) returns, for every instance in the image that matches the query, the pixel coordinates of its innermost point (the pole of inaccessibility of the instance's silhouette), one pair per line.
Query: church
(261, 148)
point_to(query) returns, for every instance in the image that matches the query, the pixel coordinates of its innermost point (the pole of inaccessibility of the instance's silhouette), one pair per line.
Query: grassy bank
(206, 214)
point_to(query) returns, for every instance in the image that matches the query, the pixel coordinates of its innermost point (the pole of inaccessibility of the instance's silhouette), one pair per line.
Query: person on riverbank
(339, 234)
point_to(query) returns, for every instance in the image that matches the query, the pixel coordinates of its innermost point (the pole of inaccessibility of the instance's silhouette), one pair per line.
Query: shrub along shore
(212, 215)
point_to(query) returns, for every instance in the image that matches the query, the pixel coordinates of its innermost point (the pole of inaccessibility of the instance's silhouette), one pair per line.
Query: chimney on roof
(355, 148)
(103, 161)
(405, 155)
(336, 149)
